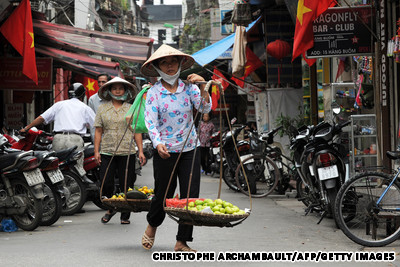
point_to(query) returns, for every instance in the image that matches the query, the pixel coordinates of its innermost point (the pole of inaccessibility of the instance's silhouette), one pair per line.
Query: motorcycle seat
(40, 155)
(393, 154)
(88, 151)
(9, 159)
(65, 153)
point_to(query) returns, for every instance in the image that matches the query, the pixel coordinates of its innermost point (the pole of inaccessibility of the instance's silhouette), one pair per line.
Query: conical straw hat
(165, 51)
(103, 94)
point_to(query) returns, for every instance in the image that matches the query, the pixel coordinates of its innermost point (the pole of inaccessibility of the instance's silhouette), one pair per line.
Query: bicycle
(368, 207)
(270, 171)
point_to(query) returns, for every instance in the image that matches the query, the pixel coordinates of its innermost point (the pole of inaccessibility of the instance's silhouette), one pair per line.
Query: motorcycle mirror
(335, 108)
(233, 120)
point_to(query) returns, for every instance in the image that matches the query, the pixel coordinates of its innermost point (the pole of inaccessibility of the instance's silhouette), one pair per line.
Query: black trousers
(117, 169)
(162, 171)
(205, 155)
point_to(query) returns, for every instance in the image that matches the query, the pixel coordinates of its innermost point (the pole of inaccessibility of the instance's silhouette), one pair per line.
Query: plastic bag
(137, 110)
(8, 225)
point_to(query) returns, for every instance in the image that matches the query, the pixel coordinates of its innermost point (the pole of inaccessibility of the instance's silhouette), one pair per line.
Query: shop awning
(210, 53)
(116, 46)
(79, 63)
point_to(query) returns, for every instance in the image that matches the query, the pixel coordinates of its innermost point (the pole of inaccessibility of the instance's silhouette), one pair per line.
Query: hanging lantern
(279, 49)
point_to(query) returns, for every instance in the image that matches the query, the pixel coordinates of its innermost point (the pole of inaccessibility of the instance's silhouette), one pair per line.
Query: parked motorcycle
(73, 179)
(54, 187)
(21, 186)
(321, 165)
(214, 154)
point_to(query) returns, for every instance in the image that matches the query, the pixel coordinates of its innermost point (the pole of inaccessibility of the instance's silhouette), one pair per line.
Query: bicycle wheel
(262, 175)
(360, 217)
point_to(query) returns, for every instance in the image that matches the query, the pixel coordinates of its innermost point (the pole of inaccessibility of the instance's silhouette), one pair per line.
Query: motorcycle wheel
(77, 190)
(229, 179)
(52, 206)
(304, 195)
(332, 193)
(32, 216)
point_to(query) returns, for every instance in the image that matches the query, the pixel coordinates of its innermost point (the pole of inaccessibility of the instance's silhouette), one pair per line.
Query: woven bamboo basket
(128, 205)
(205, 219)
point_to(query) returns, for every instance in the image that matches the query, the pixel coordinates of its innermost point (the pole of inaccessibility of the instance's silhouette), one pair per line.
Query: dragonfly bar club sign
(342, 31)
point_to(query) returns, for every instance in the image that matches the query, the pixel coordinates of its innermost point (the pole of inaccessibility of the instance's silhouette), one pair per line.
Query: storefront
(62, 54)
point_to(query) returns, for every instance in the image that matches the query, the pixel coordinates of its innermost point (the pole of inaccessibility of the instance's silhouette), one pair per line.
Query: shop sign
(227, 54)
(14, 113)
(11, 75)
(342, 31)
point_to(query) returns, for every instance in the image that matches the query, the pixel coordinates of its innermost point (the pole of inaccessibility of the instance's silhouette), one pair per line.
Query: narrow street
(276, 224)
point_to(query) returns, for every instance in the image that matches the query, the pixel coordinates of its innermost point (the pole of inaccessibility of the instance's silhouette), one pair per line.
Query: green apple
(192, 208)
(199, 202)
(208, 200)
(228, 210)
(199, 207)
(217, 212)
(215, 209)
(222, 210)
(235, 208)
(218, 201)
(226, 204)
(191, 204)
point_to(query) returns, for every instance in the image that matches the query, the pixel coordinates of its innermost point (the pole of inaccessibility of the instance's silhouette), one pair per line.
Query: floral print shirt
(114, 125)
(206, 130)
(169, 116)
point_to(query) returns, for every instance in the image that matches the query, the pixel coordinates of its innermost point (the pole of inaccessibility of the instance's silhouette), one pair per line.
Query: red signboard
(11, 76)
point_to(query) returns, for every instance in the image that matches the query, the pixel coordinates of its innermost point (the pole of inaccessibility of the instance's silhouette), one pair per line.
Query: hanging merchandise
(241, 14)
(239, 52)
(279, 49)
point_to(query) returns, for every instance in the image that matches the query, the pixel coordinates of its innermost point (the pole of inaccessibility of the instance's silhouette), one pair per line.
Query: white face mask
(170, 79)
(122, 97)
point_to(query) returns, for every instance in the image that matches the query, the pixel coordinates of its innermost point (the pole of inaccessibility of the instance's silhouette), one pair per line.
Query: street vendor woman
(169, 117)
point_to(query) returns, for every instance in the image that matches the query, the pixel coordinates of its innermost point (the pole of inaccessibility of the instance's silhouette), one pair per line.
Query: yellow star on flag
(301, 10)
(33, 40)
(90, 85)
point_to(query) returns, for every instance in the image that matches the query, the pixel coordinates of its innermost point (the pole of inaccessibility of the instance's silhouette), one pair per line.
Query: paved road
(276, 224)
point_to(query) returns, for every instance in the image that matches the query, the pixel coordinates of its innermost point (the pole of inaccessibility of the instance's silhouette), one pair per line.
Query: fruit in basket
(136, 194)
(198, 202)
(218, 206)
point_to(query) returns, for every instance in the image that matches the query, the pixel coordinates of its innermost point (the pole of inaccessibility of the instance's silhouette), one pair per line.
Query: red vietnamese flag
(18, 30)
(307, 12)
(91, 86)
(252, 63)
(215, 90)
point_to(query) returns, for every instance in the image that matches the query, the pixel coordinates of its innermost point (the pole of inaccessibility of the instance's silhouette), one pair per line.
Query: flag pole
(231, 83)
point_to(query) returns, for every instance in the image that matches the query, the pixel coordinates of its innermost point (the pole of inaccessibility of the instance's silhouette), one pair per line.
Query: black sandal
(107, 217)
